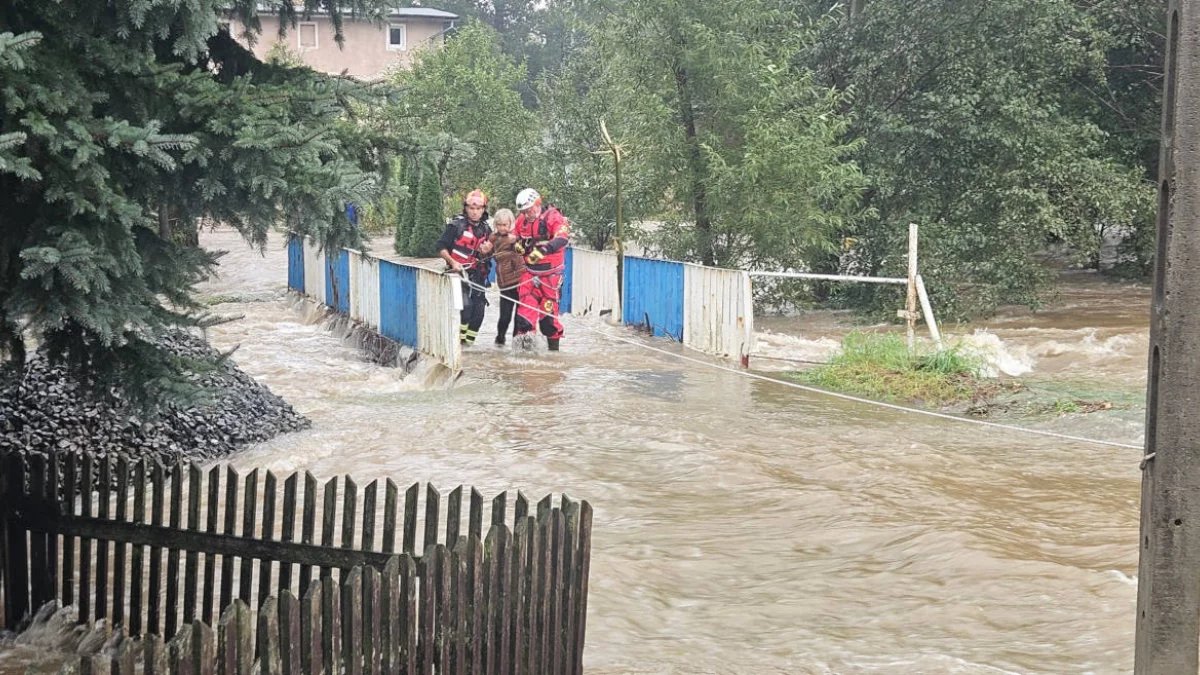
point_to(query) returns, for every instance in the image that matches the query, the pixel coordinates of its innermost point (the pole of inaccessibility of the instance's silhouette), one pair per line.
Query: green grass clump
(880, 366)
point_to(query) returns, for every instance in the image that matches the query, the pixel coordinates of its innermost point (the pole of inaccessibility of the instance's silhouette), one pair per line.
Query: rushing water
(742, 526)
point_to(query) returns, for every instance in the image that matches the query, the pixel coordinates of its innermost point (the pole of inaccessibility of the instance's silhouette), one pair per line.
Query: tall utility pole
(1168, 603)
(615, 150)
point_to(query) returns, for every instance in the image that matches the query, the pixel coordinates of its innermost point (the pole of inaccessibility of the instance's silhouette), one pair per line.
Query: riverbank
(44, 410)
(879, 366)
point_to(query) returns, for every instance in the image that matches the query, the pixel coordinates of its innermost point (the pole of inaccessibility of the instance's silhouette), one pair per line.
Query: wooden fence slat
(180, 653)
(16, 581)
(232, 480)
(391, 496)
(445, 620)
(368, 521)
(191, 558)
(427, 628)
(453, 516)
(204, 649)
(433, 500)
(582, 568)
(328, 518)
(491, 580)
(269, 656)
(85, 544)
(408, 615)
(154, 654)
(158, 493)
(104, 493)
(289, 529)
(499, 508)
(544, 506)
(410, 518)
(478, 628)
(309, 525)
(349, 512)
(290, 632)
(529, 617)
(389, 611)
(137, 562)
(521, 508)
(544, 592)
(331, 623)
(67, 507)
(126, 655)
(458, 608)
(41, 591)
(554, 624)
(249, 504)
(311, 630)
(352, 621)
(53, 495)
(570, 548)
(265, 589)
(475, 520)
(517, 647)
(234, 653)
(119, 570)
(210, 558)
(371, 630)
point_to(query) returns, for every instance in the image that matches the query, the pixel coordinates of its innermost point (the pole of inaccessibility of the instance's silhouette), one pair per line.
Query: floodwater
(742, 526)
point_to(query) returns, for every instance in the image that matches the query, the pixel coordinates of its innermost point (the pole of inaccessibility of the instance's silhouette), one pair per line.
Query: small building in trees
(370, 48)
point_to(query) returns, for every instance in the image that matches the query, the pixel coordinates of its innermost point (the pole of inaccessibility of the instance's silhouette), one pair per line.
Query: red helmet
(475, 198)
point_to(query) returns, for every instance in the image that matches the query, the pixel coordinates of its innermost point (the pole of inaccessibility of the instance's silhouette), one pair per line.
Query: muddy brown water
(741, 526)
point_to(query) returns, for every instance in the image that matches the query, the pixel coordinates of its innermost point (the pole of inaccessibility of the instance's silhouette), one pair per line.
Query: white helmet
(527, 198)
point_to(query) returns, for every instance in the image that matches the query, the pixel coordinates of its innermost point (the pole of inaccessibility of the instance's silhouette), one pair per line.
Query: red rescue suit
(543, 278)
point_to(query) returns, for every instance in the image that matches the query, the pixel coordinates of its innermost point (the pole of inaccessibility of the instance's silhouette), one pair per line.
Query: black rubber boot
(552, 344)
(500, 339)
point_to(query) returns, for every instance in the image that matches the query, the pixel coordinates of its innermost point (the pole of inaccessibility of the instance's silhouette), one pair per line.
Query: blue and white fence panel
(592, 282)
(654, 296)
(412, 305)
(718, 312)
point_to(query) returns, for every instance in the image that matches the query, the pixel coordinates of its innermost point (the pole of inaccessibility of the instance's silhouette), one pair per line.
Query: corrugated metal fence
(707, 309)
(411, 305)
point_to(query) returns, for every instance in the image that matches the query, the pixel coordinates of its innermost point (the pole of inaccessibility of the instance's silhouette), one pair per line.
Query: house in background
(370, 49)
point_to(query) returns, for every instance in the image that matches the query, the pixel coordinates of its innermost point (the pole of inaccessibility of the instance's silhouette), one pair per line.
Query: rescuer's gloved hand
(535, 255)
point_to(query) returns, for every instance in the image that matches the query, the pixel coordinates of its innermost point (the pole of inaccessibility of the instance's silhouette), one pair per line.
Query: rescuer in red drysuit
(465, 247)
(542, 234)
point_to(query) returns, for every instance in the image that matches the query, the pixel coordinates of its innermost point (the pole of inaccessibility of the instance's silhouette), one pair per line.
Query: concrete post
(1168, 603)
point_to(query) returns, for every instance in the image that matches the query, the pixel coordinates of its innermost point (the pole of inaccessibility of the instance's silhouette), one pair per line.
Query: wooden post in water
(1168, 603)
(910, 304)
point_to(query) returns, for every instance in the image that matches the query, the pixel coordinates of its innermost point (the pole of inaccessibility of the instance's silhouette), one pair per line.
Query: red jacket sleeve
(560, 232)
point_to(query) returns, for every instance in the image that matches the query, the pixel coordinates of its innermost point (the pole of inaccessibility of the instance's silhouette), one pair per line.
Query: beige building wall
(365, 54)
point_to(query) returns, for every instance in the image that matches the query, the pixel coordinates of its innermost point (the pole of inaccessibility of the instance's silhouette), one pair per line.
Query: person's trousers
(474, 305)
(508, 307)
(539, 304)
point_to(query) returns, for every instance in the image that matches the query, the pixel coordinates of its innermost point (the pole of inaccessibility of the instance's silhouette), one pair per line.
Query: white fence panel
(718, 312)
(314, 271)
(594, 282)
(364, 289)
(439, 307)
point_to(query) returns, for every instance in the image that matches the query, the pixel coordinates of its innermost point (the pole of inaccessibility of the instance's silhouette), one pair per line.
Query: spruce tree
(126, 122)
(410, 205)
(403, 205)
(429, 221)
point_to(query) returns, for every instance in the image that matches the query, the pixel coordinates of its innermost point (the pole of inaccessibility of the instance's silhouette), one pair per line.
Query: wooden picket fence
(75, 532)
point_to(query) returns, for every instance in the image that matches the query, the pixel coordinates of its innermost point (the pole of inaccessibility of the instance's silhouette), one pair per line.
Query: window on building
(397, 37)
(306, 33)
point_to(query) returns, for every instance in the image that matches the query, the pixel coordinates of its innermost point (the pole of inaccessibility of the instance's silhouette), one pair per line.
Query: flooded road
(741, 526)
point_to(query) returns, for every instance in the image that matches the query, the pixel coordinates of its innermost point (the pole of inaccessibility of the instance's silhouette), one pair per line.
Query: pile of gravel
(42, 411)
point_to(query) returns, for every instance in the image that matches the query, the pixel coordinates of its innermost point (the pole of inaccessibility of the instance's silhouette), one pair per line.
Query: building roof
(395, 12)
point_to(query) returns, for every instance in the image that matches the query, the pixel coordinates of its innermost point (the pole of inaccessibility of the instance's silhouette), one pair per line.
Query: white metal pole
(927, 310)
(910, 306)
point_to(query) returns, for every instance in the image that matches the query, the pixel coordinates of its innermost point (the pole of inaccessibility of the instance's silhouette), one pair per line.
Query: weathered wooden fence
(364, 602)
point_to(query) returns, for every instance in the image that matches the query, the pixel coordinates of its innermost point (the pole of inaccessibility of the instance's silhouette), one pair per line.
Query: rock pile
(42, 410)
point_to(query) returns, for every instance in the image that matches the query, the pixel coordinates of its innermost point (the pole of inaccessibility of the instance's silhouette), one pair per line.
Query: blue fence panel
(295, 264)
(398, 302)
(564, 302)
(654, 296)
(337, 281)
